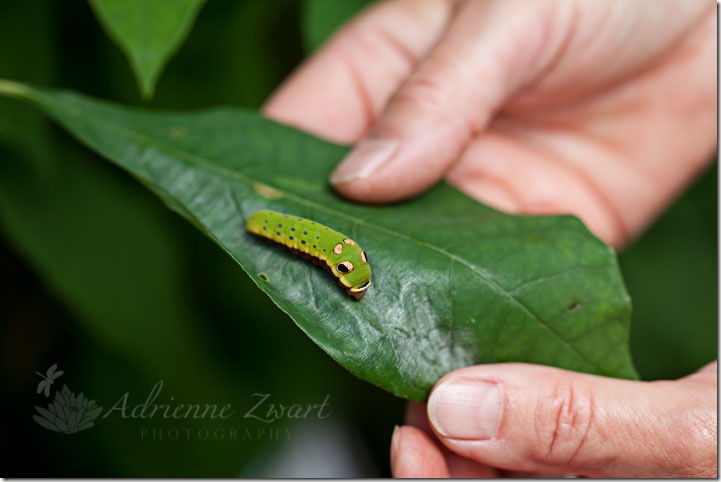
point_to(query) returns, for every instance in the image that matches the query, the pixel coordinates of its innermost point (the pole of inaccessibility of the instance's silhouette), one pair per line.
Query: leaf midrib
(225, 172)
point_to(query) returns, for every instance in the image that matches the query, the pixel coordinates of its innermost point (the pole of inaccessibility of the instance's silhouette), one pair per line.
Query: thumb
(450, 97)
(541, 419)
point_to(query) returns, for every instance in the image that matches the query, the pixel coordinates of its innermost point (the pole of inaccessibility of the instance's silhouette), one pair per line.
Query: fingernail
(394, 445)
(364, 160)
(466, 409)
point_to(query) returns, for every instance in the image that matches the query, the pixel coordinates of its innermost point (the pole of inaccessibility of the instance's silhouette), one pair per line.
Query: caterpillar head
(350, 266)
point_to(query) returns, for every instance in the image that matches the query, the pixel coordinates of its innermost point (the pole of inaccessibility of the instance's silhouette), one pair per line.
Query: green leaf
(322, 17)
(454, 282)
(148, 31)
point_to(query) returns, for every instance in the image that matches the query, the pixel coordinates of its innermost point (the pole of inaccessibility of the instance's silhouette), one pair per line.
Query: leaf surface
(455, 283)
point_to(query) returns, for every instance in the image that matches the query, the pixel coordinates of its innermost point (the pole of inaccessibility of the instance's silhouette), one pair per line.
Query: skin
(605, 110)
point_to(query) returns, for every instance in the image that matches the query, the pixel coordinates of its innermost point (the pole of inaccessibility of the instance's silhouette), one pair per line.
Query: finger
(339, 91)
(575, 164)
(708, 374)
(414, 454)
(449, 98)
(458, 467)
(541, 419)
(506, 170)
(464, 468)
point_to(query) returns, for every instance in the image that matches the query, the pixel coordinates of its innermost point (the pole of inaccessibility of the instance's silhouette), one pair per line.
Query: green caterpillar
(340, 254)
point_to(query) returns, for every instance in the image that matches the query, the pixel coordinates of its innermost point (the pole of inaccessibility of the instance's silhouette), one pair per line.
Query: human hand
(527, 418)
(601, 109)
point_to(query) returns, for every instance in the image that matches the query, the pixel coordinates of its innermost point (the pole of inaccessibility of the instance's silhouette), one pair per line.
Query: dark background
(101, 279)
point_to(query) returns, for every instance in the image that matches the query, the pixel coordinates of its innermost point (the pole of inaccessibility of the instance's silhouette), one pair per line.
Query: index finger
(338, 93)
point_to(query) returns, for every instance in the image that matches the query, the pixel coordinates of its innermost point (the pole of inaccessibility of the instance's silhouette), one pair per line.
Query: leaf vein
(155, 143)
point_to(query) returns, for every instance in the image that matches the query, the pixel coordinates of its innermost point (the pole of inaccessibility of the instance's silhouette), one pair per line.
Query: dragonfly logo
(47, 380)
(66, 412)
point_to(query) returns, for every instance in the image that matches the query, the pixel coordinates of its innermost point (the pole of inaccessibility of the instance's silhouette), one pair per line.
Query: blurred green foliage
(320, 18)
(149, 32)
(120, 292)
(671, 274)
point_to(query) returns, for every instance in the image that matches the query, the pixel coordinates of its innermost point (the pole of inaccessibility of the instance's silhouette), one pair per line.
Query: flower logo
(67, 413)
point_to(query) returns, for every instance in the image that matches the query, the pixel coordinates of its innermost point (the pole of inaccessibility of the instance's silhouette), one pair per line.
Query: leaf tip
(14, 89)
